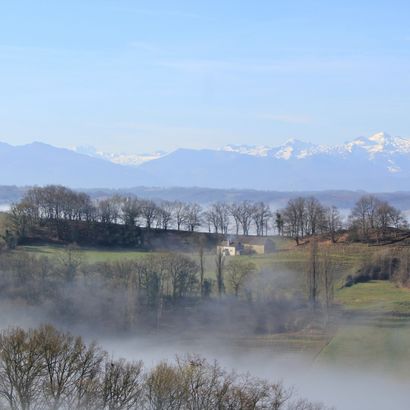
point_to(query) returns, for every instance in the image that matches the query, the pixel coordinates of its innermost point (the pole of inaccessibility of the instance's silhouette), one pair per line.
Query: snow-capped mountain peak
(118, 158)
(380, 143)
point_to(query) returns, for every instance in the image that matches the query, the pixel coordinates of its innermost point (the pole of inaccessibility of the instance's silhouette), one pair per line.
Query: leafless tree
(333, 221)
(193, 215)
(235, 211)
(21, 368)
(122, 385)
(130, 211)
(294, 218)
(148, 212)
(327, 267)
(312, 274)
(182, 273)
(180, 212)
(244, 212)
(238, 272)
(165, 214)
(220, 267)
(261, 216)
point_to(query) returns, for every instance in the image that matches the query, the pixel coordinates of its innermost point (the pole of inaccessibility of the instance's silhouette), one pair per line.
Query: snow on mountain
(380, 143)
(375, 163)
(291, 148)
(118, 158)
(388, 151)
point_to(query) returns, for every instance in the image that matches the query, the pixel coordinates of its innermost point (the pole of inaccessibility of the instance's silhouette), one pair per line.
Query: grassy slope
(375, 331)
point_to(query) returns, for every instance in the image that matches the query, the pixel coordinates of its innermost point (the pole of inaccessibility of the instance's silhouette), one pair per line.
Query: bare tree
(193, 214)
(130, 211)
(235, 211)
(165, 214)
(261, 216)
(238, 272)
(220, 267)
(312, 274)
(314, 212)
(21, 368)
(180, 212)
(294, 218)
(244, 214)
(201, 255)
(327, 269)
(279, 223)
(148, 212)
(122, 385)
(70, 259)
(333, 221)
(182, 272)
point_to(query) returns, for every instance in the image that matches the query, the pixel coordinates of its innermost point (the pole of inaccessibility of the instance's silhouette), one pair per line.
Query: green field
(375, 330)
(88, 255)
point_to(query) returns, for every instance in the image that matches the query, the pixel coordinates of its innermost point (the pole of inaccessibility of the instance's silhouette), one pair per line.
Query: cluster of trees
(50, 370)
(371, 215)
(307, 216)
(303, 217)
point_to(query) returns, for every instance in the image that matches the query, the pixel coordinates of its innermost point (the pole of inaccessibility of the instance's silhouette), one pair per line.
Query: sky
(140, 76)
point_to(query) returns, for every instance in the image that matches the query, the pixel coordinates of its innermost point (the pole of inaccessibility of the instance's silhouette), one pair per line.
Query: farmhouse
(246, 246)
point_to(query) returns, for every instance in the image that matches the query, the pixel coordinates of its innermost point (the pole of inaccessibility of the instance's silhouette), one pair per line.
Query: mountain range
(377, 163)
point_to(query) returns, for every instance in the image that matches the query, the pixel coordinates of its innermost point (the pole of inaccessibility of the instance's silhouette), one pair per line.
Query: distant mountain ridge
(40, 164)
(377, 163)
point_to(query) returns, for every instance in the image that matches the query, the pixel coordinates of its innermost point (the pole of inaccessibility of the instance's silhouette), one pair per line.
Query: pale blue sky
(139, 76)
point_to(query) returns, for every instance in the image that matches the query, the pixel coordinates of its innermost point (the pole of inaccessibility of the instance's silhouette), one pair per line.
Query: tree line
(56, 204)
(47, 369)
(60, 207)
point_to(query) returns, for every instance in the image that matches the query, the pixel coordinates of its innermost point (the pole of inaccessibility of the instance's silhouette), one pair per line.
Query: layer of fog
(335, 385)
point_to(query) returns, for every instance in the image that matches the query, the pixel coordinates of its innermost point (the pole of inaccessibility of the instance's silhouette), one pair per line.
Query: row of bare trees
(57, 203)
(47, 369)
(300, 218)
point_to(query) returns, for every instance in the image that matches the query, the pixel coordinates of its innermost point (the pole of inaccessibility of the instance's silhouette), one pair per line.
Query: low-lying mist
(136, 319)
